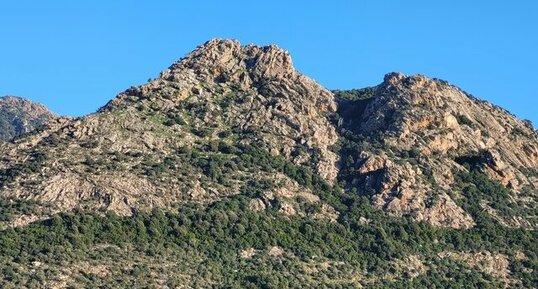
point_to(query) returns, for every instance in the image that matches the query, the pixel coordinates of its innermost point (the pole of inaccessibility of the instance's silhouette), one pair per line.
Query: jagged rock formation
(19, 115)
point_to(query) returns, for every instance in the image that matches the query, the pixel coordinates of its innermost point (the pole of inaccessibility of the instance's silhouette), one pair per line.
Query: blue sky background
(74, 56)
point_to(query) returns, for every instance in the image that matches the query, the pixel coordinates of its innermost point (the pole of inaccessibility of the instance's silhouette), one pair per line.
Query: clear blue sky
(74, 56)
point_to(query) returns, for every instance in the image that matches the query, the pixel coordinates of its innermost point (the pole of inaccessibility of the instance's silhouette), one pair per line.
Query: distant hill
(19, 115)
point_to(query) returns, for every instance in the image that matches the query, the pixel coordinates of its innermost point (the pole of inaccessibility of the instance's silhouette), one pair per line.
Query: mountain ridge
(288, 115)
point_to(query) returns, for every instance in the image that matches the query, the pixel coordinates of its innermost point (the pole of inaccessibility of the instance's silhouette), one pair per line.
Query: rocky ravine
(174, 139)
(18, 116)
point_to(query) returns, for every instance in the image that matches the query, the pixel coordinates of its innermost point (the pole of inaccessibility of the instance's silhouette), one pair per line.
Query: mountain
(19, 115)
(232, 169)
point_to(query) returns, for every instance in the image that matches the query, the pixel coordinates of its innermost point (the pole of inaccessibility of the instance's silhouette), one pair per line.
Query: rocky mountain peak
(221, 59)
(415, 89)
(227, 63)
(25, 104)
(392, 77)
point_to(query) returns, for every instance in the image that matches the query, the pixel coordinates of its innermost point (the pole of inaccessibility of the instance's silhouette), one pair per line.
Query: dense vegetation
(221, 231)
(208, 242)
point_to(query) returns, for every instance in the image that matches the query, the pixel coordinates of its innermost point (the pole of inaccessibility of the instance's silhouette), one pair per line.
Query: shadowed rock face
(174, 140)
(18, 116)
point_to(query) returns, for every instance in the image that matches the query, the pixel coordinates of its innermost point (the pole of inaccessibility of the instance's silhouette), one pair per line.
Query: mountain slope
(18, 116)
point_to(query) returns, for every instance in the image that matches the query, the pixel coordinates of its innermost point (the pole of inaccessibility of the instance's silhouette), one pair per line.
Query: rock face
(420, 133)
(19, 115)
